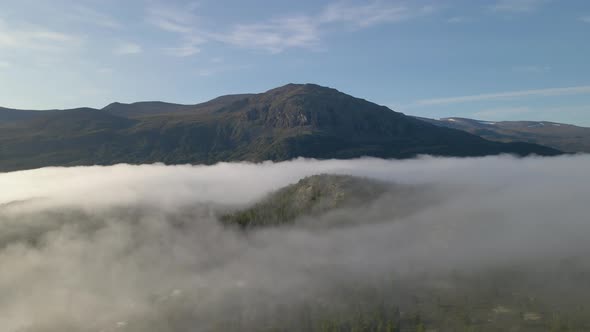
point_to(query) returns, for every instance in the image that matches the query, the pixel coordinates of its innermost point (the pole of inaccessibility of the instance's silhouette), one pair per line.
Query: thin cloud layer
(128, 48)
(573, 90)
(517, 6)
(140, 248)
(278, 34)
(29, 37)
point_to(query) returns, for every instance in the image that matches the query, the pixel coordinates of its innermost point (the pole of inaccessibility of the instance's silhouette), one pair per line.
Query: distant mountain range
(294, 120)
(561, 136)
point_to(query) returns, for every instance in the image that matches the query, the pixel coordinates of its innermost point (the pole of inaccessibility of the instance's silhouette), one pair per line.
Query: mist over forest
(468, 241)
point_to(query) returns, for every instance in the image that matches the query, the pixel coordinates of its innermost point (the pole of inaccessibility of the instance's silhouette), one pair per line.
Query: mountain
(564, 137)
(311, 196)
(294, 120)
(140, 109)
(8, 115)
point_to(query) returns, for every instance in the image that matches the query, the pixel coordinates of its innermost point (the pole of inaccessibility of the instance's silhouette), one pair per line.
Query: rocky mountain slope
(295, 120)
(561, 136)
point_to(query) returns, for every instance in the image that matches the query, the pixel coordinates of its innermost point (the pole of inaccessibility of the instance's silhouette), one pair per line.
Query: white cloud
(365, 15)
(564, 114)
(32, 37)
(533, 69)
(517, 6)
(5, 64)
(89, 15)
(585, 19)
(180, 21)
(171, 19)
(218, 68)
(128, 48)
(183, 51)
(502, 113)
(585, 89)
(459, 19)
(274, 36)
(278, 34)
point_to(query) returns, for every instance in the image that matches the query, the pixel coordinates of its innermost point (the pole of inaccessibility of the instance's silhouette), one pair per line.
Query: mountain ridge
(561, 136)
(294, 120)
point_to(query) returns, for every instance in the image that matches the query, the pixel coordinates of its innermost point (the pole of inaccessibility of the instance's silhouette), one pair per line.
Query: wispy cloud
(92, 16)
(33, 37)
(585, 19)
(171, 18)
(219, 68)
(532, 69)
(460, 19)
(502, 112)
(183, 50)
(366, 15)
(278, 34)
(274, 36)
(563, 114)
(179, 21)
(585, 89)
(517, 6)
(128, 48)
(5, 64)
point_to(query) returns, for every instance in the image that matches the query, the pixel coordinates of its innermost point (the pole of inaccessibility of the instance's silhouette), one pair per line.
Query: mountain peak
(315, 107)
(299, 88)
(295, 120)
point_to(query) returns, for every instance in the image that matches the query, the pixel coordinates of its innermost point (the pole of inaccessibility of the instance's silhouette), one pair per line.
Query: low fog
(141, 248)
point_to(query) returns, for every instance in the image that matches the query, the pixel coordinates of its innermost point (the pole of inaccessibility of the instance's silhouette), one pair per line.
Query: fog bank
(140, 248)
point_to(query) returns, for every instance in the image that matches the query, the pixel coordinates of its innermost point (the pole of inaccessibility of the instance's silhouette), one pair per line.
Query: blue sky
(492, 60)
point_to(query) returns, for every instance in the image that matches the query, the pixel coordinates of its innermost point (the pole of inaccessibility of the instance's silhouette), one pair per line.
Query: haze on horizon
(489, 60)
